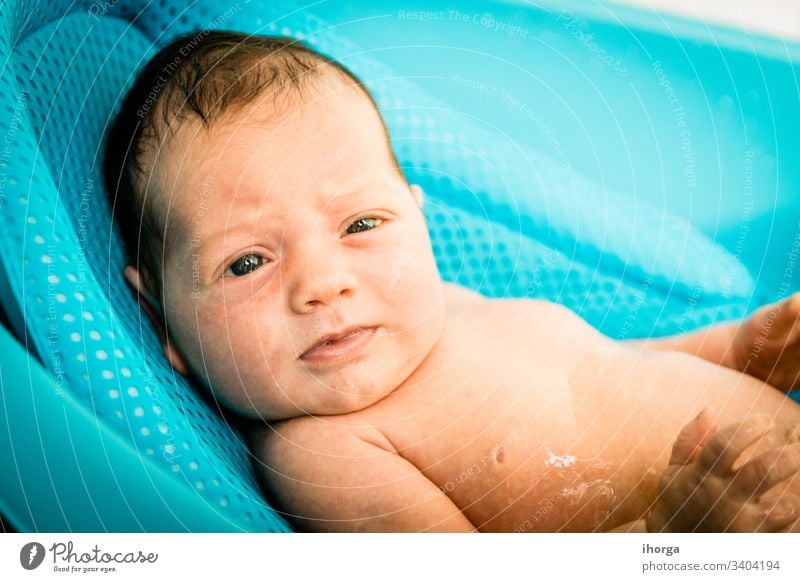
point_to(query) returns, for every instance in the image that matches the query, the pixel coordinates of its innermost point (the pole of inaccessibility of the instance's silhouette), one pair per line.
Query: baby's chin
(357, 387)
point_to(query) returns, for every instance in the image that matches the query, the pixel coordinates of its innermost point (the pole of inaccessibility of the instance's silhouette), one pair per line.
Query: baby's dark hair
(197, 76)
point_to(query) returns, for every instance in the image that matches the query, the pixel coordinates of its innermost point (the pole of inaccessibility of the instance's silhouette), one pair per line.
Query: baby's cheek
(411, 263)
(220, 334)
(400, 268)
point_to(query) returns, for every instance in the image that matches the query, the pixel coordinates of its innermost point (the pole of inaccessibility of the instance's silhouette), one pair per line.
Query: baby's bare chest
(529, 420)
(509, 422)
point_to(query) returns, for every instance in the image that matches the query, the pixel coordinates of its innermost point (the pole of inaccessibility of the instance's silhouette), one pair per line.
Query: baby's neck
(458, 301)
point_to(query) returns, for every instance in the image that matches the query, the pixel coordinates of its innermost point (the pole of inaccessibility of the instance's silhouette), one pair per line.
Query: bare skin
(460, 413)
(535, 422)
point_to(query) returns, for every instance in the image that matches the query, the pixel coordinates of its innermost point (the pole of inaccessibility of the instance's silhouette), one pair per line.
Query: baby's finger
(693, 436)
(722, 449)
(777, 512)
(759, 475)
(783, 317)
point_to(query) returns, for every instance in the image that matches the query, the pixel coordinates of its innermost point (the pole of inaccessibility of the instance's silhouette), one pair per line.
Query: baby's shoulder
(539, 308)
(522, 317)
(458, 296)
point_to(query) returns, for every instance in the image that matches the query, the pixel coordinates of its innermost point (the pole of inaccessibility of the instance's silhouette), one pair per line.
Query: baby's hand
(700, 490)
(767, 344)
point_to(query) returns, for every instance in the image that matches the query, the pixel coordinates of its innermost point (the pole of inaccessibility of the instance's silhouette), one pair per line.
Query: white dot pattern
(60, 248)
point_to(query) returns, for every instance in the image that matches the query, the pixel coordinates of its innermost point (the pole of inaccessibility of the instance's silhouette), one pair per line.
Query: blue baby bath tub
(637, 169)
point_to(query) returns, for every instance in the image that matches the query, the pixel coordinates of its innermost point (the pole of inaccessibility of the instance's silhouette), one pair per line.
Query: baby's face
(282, 233)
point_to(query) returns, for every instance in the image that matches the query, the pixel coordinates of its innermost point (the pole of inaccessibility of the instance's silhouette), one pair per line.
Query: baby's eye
(363, 224)
(244, 265)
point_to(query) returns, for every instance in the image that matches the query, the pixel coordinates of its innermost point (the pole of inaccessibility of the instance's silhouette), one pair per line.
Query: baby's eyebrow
(346, 196)
(198, 243)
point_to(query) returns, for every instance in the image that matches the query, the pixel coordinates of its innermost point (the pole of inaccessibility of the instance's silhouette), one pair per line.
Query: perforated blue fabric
(503, 219)
(509, 221)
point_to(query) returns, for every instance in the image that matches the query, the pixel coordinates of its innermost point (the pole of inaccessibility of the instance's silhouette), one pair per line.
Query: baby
(287, 265)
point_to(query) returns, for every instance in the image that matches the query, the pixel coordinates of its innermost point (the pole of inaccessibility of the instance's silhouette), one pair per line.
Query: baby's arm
(701, 490)
(766, 345)
(713, 343)
(329, 477)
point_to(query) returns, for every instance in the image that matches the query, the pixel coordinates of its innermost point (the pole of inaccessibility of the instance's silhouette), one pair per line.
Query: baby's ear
(419, 193)
(152, 308)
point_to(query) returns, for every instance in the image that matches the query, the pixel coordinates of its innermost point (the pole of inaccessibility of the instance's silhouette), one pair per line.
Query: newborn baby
(287, 264)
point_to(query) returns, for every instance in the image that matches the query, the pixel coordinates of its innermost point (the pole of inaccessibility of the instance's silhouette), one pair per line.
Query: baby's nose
(321, 280)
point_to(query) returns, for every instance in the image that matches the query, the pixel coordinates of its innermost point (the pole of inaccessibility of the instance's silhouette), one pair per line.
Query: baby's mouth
(338, 346)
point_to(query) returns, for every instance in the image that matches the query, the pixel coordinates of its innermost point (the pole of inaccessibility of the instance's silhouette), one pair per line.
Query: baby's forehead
(307, 142)
(333, 106)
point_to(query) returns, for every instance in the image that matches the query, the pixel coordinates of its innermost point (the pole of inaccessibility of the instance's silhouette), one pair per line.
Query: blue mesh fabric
(79, 313)
(528, 226)
(503, 219)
